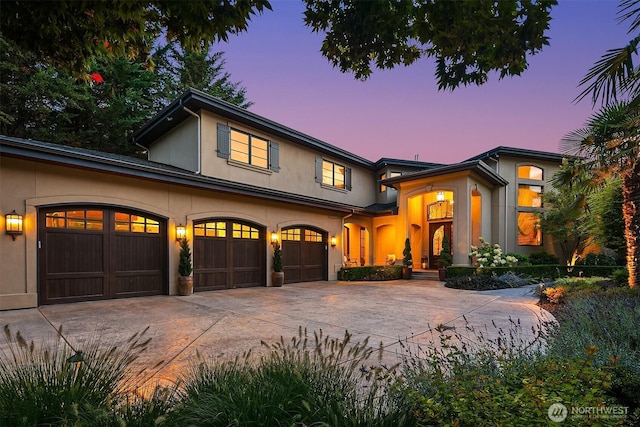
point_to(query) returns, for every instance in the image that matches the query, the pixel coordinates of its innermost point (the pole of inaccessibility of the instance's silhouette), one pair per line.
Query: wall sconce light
(274, 237)
(333, 241)
(440, 196)
(181, 232)
(13, 224)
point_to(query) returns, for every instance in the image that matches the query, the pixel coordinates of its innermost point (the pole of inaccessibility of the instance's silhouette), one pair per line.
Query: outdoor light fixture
(181, 232)
(274, 237)
(333, 241)
(440, 196)
(13, 224)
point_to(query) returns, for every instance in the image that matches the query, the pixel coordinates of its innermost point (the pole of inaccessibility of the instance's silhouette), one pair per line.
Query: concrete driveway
(223, 324)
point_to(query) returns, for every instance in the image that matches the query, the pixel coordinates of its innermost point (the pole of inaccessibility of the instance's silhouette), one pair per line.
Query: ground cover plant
(605, 320)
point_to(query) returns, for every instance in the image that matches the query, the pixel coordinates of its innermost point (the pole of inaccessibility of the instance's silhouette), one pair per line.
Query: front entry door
(437, 231)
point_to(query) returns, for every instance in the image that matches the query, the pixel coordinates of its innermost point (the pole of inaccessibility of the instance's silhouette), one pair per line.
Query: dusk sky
(400, 113)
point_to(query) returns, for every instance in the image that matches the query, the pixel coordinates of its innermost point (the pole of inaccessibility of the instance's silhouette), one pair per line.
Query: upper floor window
(529, 196)
(333, 174)
(530, 172)
(529, 205)
(243, 147)
(249, 149)
(382, 187)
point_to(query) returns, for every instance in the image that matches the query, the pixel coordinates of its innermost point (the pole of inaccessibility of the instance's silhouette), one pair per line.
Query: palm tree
(610, 141)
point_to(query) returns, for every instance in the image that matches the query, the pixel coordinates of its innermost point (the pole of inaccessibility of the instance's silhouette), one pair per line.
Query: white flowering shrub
(488, 255)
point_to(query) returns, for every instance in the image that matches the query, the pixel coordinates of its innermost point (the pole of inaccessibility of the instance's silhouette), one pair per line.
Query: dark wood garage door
(304, 254)
(100, 253)
(228, 254)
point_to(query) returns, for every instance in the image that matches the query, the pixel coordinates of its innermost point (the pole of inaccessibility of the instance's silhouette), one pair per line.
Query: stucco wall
(178, 147)
(26, 185)
(297, 168)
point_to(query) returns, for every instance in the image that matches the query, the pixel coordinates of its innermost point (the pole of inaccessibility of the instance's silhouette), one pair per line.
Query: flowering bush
(488, 255)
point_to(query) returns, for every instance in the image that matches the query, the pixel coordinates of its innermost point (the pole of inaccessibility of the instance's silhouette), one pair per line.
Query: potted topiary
(407, 260)
(185, 280)
(445, 258)
(277, 277)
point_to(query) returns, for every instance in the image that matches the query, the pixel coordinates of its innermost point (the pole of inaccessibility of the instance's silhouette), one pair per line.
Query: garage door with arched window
(304, 254)
(93, 253)
(228, 253)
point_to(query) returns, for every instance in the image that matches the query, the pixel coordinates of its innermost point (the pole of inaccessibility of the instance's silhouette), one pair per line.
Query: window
(243, 147)
(529, 205)
(333, 174)
(530, 172)
(76, 219)
(530, 196)
(135, 224)
(529, 233)
(249, 149)
(292, 234)
(242, 231)
(211, 229)
(383, 188)
(312, 236)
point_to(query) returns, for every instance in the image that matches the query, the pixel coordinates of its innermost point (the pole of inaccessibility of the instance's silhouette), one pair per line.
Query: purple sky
(399, 113)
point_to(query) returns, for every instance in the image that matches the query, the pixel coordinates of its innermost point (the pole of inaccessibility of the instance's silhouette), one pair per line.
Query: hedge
(370, 272)
(545, 271)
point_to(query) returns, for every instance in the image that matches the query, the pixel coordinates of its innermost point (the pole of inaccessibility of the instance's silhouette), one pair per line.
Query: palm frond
(613, 75)
(630, 9)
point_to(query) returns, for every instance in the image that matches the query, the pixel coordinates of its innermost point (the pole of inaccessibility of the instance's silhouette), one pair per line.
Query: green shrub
(476, 282)
(597, 259)
(621, 277)
(54, 385)
(370, 272)
(460, 271)
(606, 320)
(543, 258)
(468, 379)
(556, 295)
(317, 381)
(522, 259)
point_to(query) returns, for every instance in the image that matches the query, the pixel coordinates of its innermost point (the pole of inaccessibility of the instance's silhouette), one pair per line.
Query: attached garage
(94, 253)
(304, 254)
(228, 253)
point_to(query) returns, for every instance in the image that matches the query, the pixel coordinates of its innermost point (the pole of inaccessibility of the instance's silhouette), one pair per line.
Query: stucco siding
(27, 185)
(179, 147)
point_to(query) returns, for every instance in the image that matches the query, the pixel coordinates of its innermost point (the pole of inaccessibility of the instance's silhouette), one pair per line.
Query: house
(97, 226)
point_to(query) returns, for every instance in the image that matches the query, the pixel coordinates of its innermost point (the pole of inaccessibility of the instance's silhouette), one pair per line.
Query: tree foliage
(605, 221)
(71, 34)
(615, 76)
(468, 39)
(564, 215)
(181, 69)
(40, 102)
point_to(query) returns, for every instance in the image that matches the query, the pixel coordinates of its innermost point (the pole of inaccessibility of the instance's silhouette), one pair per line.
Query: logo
(557, 412)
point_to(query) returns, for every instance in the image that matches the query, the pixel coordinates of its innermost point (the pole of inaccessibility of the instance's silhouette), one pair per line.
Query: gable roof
(386, 161)
(195, 100)
(518, 152)
(476, 166)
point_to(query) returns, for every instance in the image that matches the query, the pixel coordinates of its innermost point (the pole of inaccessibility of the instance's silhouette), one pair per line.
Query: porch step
(425, 275)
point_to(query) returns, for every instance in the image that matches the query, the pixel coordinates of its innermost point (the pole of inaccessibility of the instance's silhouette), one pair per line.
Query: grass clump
(319, 381)
(55, 385)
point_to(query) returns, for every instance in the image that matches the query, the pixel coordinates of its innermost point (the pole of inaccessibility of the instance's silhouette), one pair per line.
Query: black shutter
(224, 141)
(274, 156)
(347, 178)
(319, 169)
